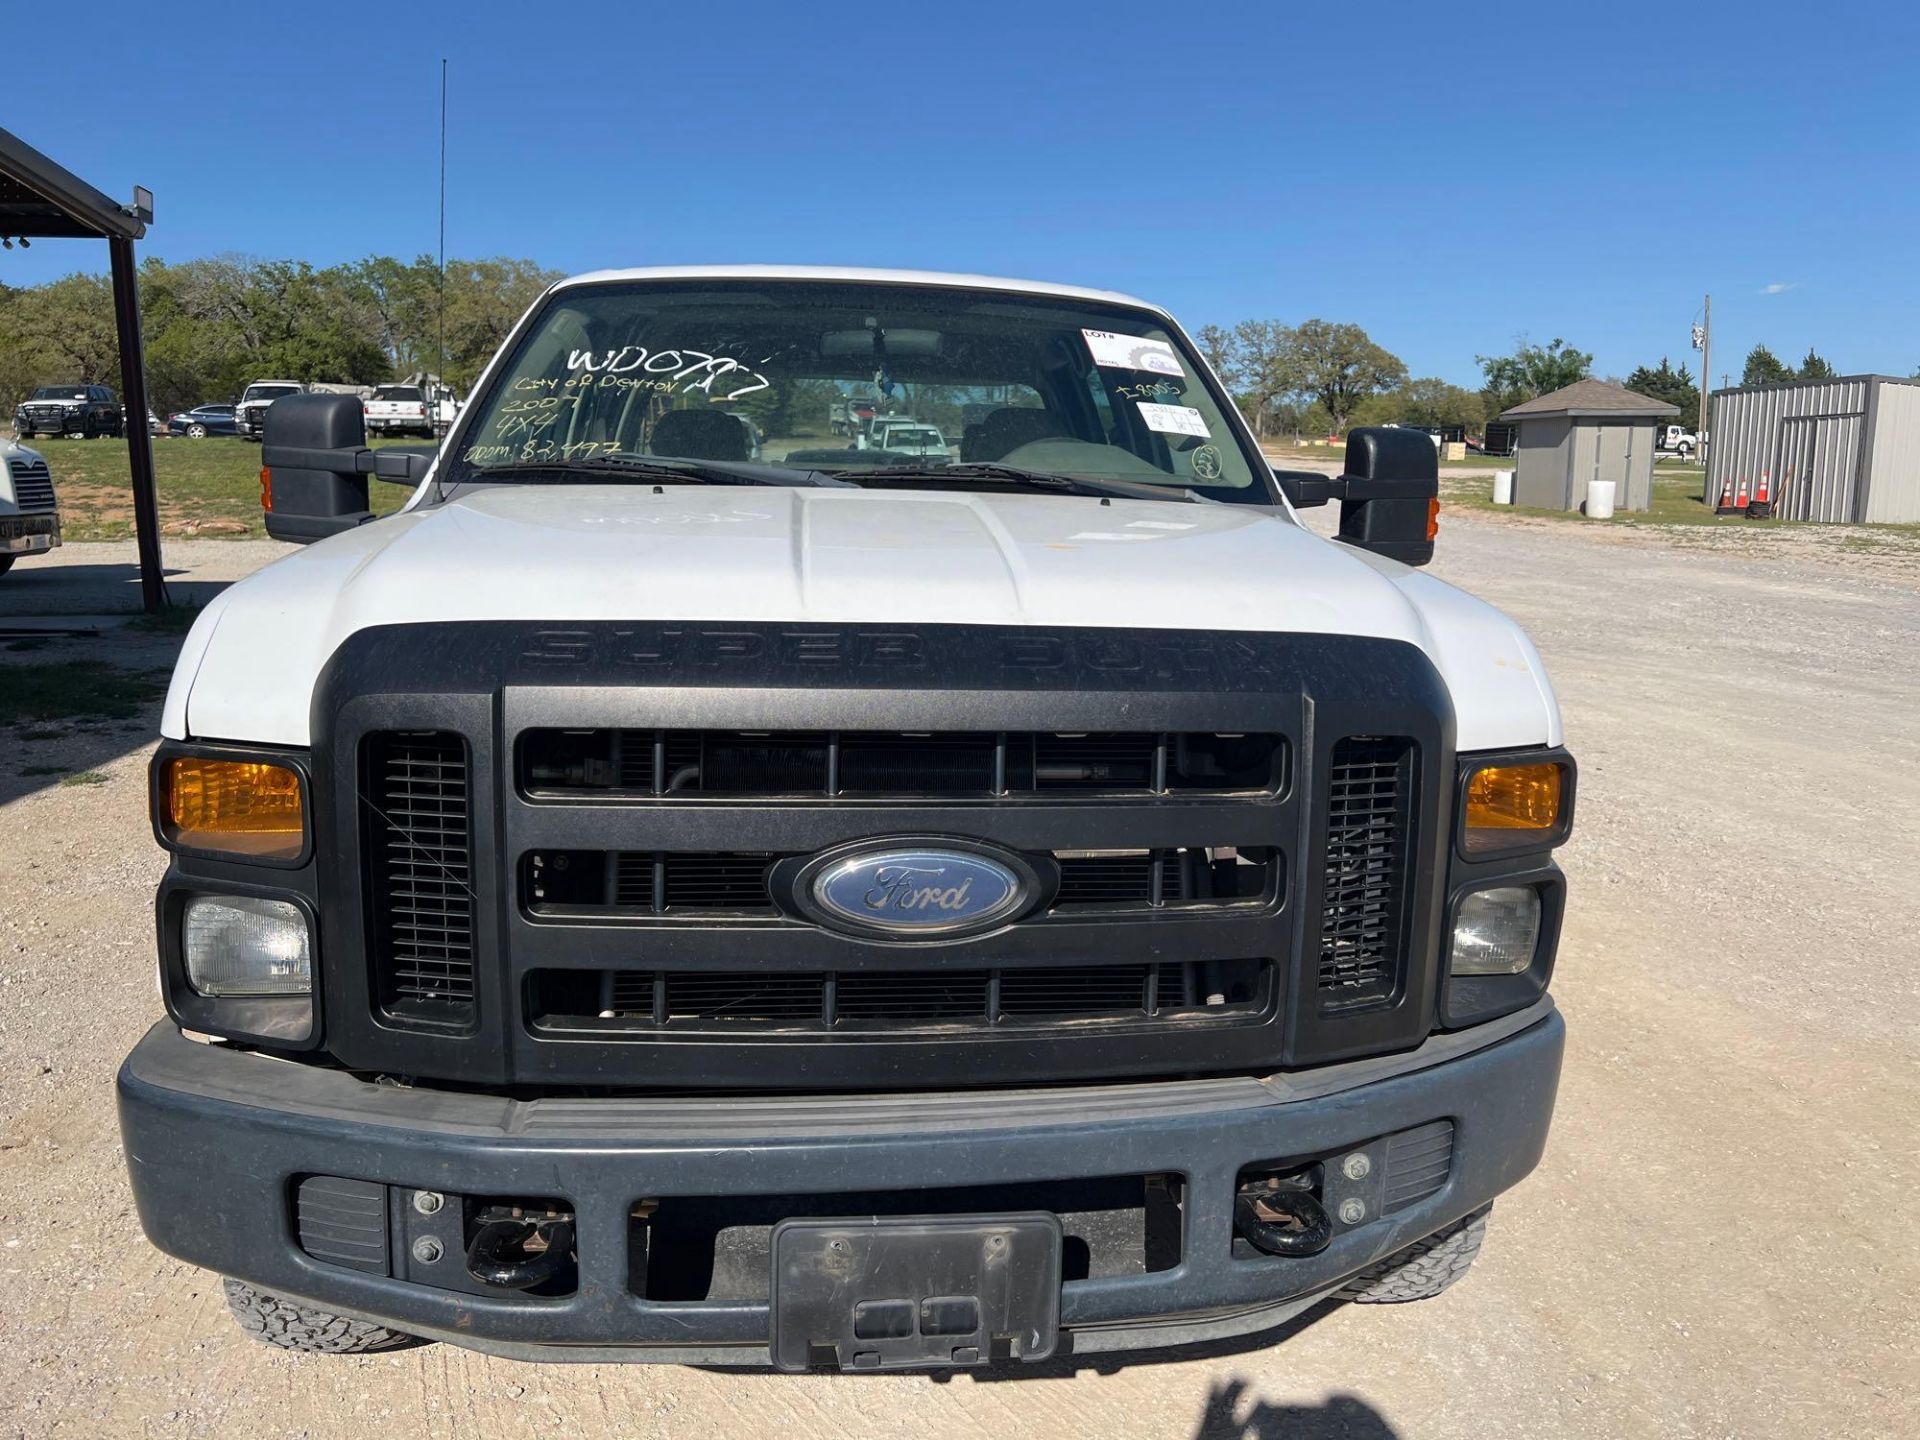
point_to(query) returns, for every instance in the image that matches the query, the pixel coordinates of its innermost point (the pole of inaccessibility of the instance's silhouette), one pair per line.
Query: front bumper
(29, 534)
(217, 1139)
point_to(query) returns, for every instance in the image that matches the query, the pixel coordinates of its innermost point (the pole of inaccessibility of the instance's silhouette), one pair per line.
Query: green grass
(84, 777)
(1676, 501)
(74, 690)
(216, 479)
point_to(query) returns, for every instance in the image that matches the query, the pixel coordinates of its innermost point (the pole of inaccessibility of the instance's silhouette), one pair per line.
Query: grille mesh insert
(899, 1000)
(688, 764)
(32, 485)
(419, 832)
(1369, 820)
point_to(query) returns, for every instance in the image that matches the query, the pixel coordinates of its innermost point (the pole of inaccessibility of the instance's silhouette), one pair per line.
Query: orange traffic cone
(1725, 505)
(1761, 507)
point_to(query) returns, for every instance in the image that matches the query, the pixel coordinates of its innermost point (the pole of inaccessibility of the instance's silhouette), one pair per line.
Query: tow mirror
(1389, 494)
(316, 461)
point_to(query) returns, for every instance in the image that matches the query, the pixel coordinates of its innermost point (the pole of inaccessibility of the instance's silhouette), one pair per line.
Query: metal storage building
(1845, 450)
(1588, 430)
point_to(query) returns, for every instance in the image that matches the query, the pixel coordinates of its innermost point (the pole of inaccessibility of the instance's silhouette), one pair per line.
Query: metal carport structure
(40, 200)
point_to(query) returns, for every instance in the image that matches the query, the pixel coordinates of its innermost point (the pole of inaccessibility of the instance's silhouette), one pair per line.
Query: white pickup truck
(29, 514)
(646, 902)
(250, 413)
(399, 410)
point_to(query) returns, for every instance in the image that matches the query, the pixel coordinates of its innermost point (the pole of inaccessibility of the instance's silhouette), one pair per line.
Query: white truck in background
(424, 410)
(250, 415)
(29, 515)
(1675, 440)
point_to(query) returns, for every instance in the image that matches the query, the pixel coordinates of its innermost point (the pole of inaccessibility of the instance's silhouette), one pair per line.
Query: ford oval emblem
(918, 891)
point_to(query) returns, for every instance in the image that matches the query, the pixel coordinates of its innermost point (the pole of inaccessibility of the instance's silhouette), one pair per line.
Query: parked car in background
(250, 415)
(204, 420)
(84, 411)
(29, 515)
(923, 442)
(398, 410)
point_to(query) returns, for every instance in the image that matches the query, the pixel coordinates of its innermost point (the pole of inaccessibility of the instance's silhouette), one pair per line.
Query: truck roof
(854, 273)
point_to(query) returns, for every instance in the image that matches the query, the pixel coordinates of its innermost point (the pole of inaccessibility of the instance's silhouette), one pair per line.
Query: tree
(1218, 348)
(67, 326)
(1338, 366)
(1815, 368)
(1530, 371)
(1764, 368)
(1676, 387)
(1263, 375)
(1425, 401)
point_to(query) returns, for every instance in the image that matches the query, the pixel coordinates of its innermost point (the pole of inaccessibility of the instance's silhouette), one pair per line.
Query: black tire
(1423, 1269)
(6, 563)
(287, 1325)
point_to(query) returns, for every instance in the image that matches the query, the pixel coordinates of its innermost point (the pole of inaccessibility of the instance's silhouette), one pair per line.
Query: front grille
(895, 1001)
(32, 485)
(1369, 802)
(689, 764)
(419, 840)
(616, 885)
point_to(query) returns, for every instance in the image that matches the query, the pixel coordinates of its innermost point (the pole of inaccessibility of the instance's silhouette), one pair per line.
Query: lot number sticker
(1175, 420)
(1130, 352)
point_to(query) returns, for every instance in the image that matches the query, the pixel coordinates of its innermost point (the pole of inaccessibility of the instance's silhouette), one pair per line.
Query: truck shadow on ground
(1343, 1417)
(110, 589)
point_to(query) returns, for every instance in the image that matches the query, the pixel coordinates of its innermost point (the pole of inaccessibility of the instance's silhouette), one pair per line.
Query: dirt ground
(1720, 1241)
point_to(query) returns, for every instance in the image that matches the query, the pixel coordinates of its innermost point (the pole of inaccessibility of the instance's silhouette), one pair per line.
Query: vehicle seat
(1006, 430)
(700, 435)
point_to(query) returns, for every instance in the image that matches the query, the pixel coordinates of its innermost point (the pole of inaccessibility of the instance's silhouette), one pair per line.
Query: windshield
(61, 392)
(831, 375)
(396, 392)
(269, 392)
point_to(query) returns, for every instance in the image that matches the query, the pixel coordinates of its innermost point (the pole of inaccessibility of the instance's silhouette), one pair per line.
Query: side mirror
(315, 463)
(1390, 494)
(403, 464)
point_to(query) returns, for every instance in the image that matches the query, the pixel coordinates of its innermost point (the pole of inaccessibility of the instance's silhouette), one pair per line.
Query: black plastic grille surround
(1369, 824)
(417, 822)
(491, 685)
(898, 1000)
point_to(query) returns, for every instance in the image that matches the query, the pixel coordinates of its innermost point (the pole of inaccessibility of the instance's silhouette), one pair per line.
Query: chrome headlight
(1496, 932)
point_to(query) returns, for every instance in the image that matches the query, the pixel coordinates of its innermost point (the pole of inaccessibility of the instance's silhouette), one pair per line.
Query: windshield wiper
(992, 471)
(614, 468)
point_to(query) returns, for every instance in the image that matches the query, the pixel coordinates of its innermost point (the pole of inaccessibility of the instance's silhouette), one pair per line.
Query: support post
(133, 390)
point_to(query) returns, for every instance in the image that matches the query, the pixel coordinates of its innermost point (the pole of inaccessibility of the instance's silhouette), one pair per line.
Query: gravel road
(1720, 1242)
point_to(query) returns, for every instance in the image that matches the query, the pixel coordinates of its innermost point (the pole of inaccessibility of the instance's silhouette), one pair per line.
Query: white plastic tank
(1600, 499)
(1503, 487)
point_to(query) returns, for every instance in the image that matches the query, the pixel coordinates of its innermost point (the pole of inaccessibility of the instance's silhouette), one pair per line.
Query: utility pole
(1703, 342)
(440, 344)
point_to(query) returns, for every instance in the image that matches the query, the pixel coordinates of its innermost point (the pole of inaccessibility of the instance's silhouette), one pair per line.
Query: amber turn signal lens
(242, 807)
(1508, 798)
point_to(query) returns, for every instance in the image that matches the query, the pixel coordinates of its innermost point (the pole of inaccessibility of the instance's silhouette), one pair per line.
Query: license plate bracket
(914, 1292)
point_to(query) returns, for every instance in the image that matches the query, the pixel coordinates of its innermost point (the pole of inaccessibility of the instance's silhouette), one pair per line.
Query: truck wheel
(289, 1326)
(196, 431)
(1423, 1269)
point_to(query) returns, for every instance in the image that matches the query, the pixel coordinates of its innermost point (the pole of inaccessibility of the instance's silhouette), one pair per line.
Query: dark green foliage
(1676, 387)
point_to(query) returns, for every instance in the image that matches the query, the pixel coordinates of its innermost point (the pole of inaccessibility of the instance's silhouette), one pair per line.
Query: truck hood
(684, 552)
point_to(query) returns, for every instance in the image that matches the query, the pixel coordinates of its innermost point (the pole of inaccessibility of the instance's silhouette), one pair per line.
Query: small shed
(1845, 450)
(1588, 430)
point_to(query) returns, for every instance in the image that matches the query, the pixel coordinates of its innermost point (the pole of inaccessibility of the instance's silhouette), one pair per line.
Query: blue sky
(1449, 177)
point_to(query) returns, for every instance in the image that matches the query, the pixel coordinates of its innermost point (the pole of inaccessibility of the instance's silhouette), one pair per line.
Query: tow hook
(1282, 1220)
(517, 1252)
